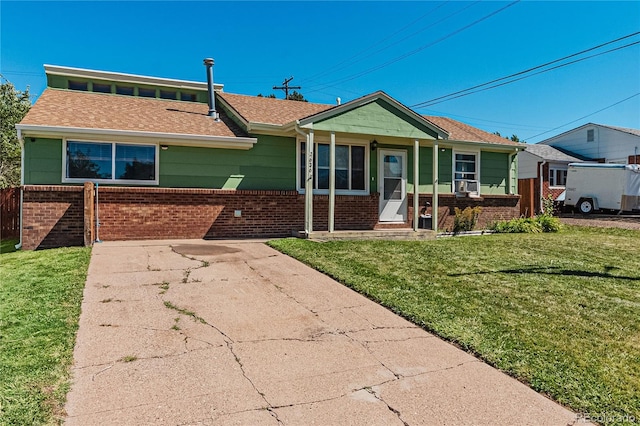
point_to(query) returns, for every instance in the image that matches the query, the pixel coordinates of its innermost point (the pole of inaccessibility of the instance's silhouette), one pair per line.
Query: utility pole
(285, 86)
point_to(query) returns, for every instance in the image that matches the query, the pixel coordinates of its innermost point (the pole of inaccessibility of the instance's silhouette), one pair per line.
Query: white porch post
(308, 185)
(416, 183)
(332, 180)
(434, 200)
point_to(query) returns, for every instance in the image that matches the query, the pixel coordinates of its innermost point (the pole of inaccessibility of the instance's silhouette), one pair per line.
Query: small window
(78, 85)
(590, 135)
(557, 177)
(101, 88)
(189, 97)
(466, 172)
(124, 90)
(168, 94)
(146, 93)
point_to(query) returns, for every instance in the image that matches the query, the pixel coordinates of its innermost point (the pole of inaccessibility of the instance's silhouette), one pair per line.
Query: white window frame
(553, 174)
(341, 141)
(453, 168)
(113, 180)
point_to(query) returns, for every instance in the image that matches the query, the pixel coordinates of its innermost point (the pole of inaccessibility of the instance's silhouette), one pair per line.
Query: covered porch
(370, 146)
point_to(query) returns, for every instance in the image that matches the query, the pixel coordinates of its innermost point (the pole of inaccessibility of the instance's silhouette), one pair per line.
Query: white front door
(392, 185)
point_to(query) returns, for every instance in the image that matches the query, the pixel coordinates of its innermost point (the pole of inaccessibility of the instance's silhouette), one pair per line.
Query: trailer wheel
(586, 206)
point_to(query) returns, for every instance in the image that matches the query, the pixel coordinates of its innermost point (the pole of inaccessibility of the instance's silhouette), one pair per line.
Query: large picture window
(350, 167)
(110, 162)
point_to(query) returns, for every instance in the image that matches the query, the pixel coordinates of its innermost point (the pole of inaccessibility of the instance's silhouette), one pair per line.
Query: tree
(14, 105)
(296, 96)
(260, 95)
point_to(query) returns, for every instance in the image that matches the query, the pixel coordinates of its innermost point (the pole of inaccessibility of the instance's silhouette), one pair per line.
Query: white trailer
(592, 187)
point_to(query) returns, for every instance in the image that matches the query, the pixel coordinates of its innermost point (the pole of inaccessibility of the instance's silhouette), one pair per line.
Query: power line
(426, 104)
(461, 93)
(352, 61)
(413, 52)
(583, 117)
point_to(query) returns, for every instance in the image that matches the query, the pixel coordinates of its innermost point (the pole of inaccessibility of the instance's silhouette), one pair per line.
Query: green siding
(270, 164)
(42, 161)
(445, 171)
(426, 169)
(378, 119)
(494, 173)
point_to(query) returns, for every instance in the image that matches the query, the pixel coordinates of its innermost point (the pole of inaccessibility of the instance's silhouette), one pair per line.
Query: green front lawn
(560, 312)
(40, 295)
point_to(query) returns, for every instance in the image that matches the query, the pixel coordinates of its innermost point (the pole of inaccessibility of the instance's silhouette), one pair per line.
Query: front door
(392, 185)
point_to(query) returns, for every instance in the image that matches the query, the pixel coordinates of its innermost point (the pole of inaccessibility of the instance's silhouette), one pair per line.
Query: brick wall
(494, 208)
(52, 216)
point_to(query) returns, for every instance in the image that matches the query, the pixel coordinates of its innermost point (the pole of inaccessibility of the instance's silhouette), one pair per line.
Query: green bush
(465, 220)
(528, 225)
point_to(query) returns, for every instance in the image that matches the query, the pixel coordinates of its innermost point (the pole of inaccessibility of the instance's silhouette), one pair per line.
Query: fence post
(89, 213)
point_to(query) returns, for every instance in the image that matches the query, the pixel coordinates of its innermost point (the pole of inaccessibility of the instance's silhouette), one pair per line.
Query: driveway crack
(393, 410)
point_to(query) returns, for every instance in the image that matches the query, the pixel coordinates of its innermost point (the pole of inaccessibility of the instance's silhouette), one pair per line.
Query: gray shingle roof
(549, 153)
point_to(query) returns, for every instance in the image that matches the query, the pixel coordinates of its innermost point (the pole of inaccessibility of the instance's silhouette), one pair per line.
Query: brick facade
(494, 208)
(54, 216)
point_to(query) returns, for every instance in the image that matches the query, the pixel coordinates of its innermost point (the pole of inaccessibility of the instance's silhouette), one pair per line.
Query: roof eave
(491, 145)
(228, 142)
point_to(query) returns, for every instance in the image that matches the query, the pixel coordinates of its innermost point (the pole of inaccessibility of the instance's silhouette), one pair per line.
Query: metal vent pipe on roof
(208, 62)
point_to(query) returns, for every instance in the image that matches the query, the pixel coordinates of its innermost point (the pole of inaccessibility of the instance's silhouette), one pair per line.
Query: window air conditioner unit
(467, 188)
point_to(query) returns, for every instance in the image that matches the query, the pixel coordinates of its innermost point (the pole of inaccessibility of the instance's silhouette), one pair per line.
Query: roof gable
(376, 114)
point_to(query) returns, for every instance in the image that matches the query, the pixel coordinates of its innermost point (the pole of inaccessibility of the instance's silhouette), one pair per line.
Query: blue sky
(415, 51)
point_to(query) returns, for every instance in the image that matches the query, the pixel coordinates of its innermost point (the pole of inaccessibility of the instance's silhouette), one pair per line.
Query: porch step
(379, 234)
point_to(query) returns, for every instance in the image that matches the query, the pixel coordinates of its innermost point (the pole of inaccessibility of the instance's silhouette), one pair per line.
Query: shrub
(465, 220)
(535, 225)
(549, 223)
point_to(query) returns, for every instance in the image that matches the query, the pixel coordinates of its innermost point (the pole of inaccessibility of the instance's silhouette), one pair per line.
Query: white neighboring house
(600, 143)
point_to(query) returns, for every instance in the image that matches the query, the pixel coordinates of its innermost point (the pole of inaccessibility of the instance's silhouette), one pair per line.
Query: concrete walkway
(232, 332)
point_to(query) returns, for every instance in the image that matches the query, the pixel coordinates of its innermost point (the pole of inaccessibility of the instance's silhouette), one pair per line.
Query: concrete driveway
(233, 332)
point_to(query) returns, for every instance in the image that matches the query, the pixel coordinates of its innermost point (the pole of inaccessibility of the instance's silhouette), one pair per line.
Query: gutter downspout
(21, 140)
(541, 182)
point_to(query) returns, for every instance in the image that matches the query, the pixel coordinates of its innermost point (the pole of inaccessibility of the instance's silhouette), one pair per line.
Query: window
(146, 93)
(168, 94)
(557, 177)
(124, 90)
(101, 88)
(190, 97)
(465, 167)
(110, 162)
(78, 85)
(349, 171)
(590, 135)
(466, 172)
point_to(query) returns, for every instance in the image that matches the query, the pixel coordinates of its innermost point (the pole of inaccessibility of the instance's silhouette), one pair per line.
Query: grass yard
(560, 312)
(40, 295)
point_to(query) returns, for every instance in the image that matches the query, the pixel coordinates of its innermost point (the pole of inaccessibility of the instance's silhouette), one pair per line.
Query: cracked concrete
(233, 332)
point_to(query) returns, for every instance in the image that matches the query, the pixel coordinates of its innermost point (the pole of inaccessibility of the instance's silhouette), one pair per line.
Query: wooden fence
(526, 189)
(9, 213)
